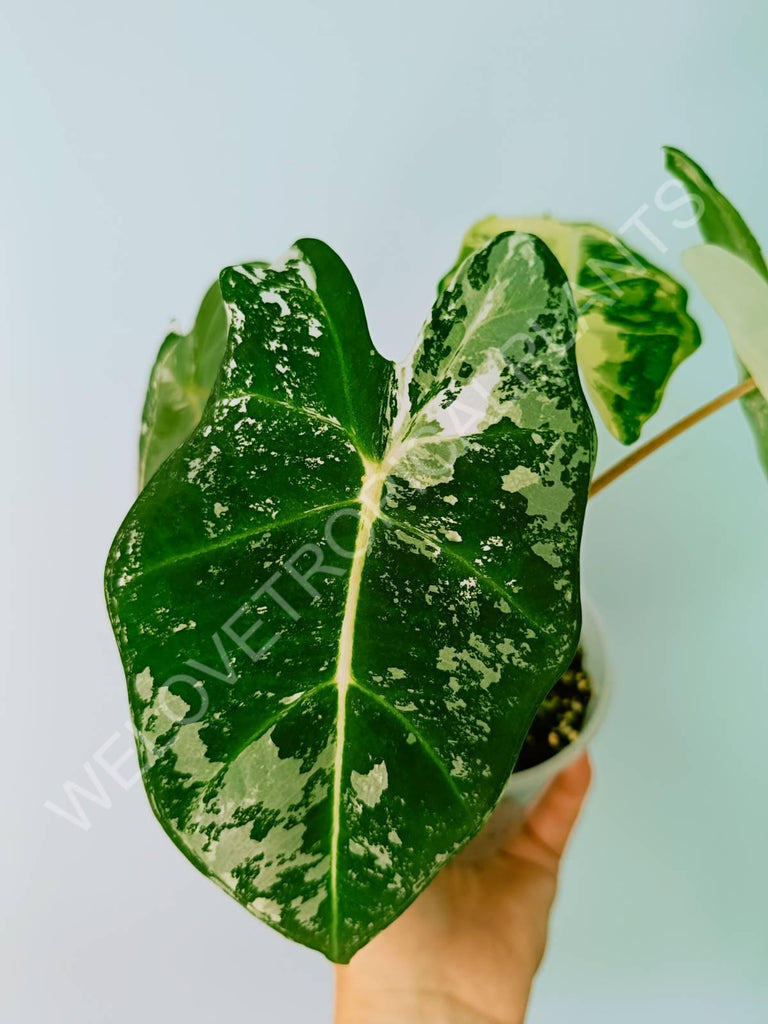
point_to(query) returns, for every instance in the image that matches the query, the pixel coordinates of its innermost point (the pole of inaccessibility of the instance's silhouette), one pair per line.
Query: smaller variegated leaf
(634, 328)
(721, 224)
(718, 219)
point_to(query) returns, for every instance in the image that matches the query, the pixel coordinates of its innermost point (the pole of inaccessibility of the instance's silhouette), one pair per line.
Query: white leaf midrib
(370, 507)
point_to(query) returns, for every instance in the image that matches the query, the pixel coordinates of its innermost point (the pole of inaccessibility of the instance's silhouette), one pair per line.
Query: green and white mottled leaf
(721, 224)
(634, 329)
(340, 602)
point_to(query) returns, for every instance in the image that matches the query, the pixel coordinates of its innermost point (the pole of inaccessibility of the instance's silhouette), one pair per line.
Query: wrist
(358, 1004)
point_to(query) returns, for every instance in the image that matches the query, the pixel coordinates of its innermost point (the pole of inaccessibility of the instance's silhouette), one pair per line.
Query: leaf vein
(301, 409)
(454, 556)
(236, 538)
(425, 745)
(263, 728)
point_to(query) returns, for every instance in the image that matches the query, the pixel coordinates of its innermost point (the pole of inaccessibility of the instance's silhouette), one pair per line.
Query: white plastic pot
(524, 787)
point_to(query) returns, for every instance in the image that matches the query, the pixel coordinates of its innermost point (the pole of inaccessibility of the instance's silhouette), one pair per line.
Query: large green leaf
(340, 602)
(633, 326)
(721, 224)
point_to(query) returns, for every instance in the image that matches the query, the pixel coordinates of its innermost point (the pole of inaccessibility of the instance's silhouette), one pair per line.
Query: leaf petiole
(602, 481)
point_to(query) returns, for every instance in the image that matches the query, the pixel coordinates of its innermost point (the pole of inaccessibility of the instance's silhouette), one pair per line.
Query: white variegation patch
(370, 786)
(739, 294)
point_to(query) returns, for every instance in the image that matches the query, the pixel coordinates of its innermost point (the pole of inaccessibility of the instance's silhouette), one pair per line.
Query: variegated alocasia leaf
(719, 221)
(341, 600)
(634, 330)
(721, 224)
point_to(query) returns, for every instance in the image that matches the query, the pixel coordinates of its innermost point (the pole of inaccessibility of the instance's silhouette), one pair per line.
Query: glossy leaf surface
(341, 600)
(634, 329)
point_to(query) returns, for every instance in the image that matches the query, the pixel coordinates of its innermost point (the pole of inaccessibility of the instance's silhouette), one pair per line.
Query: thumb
(550, 822)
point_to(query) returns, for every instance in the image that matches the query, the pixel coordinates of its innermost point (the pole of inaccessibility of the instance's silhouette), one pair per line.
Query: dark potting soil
(560, 718)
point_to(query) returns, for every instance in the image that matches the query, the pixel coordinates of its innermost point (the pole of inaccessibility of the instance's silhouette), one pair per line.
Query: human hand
(466, 951)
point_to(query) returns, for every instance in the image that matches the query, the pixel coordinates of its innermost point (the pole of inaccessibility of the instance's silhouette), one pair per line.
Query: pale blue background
(146, 145)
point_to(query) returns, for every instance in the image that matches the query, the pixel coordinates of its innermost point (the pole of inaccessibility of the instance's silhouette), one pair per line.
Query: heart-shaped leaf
(634, 330)
(721, 224)
(340, 602)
